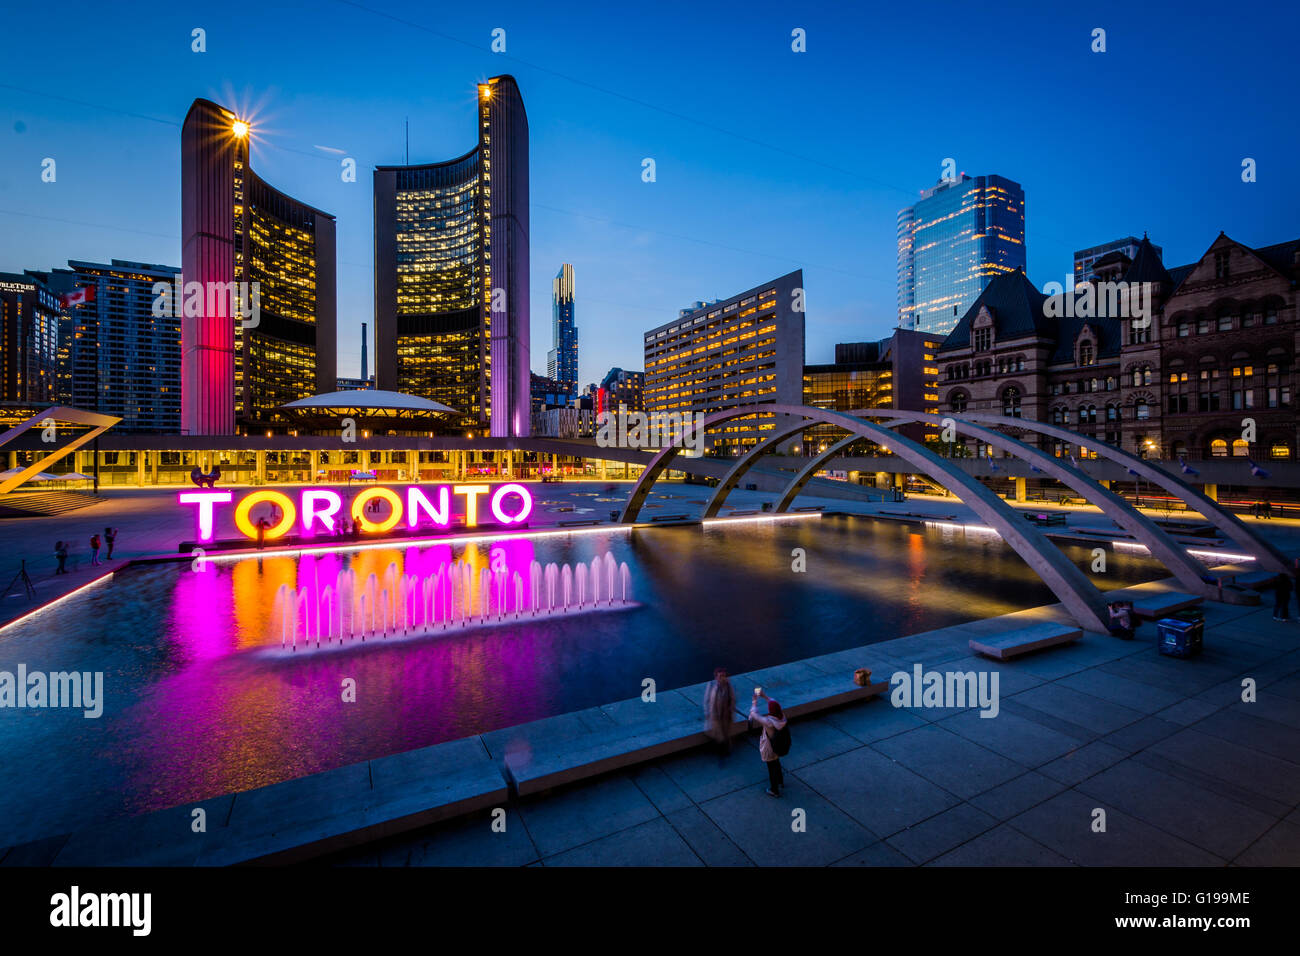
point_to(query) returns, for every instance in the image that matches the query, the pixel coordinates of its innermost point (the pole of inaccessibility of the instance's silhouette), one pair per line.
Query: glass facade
(29, 340)
(951, 243)
(562, 361)
(237, 230)
(451, 267)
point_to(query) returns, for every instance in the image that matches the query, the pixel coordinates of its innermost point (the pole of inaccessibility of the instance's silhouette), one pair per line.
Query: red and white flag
(84, 294)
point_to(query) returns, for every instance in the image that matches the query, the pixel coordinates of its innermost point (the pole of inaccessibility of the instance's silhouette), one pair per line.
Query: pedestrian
(1121, 620)
(719, 705)
(110, 536)
(773, 741)
(1282, 597)
(262, 525)
(61, 552)
(94, 549)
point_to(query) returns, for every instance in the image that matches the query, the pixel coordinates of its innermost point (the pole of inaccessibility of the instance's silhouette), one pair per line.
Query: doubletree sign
(318, 509)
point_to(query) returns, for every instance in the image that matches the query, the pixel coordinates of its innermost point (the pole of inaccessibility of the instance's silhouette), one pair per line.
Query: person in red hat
(773, 742)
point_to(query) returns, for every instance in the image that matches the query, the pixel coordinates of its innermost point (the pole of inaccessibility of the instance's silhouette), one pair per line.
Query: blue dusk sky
(767, 160)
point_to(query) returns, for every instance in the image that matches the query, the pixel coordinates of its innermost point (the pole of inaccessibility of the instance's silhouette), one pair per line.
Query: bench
(578, 522)
(1024, 640)
(670, 518)
(1155, 606)
(1049, 519)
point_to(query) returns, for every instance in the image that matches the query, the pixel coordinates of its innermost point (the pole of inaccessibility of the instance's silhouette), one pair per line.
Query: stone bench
(600, 752)
(1252, 579)
(1050, 519)
(1162, 604)
(821, 693)
(353, 805)
(1024, 640)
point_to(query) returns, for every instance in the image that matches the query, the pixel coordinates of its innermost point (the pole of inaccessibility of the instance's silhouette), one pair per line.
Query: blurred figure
(1121, 619)
(61, 552)
(773, 741)
(110, 536)
(719, 705)
(1282, 597)
(94, 549)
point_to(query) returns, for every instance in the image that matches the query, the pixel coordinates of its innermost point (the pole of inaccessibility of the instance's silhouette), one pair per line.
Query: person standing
(262, 525)
(94, 550)
(110, 535)
(773, 741)
(61, 552)
(1282, 597)
(719, 705)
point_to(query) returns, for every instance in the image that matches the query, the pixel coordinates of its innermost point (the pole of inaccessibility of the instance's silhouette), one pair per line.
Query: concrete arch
(1268, 556)
(796, 485)
(752, 457)
(1189, 571)
(1079, 595)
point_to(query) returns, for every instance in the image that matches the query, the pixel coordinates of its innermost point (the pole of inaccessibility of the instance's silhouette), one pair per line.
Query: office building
(951, 243)
(29, 340)
(249, 245)
(898, 372)
(1085, 260)
(547, 393)
(123, 350)
(621, 388)
(736, 351)
(451, 272)
(562, 360)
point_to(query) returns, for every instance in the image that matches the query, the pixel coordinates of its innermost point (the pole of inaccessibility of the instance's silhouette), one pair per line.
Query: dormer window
(1087, 353)
(983, 339)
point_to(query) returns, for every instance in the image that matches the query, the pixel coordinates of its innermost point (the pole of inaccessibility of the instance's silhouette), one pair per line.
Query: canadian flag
(84, 294)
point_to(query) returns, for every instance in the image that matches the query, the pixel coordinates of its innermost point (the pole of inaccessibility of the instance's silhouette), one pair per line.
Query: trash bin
(1178, 638)
(1192, 614)
(767, 506)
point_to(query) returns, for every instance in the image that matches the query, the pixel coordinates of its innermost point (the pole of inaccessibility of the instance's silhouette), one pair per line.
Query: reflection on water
(190, 712)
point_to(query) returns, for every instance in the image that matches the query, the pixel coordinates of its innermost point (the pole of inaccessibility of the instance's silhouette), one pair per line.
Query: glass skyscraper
(451, 273)
(951, 243)
(562, 360)
(236, 228)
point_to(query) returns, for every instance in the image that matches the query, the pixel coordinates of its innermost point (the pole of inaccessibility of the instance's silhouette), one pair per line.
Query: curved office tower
(451, 272)
(264, 333)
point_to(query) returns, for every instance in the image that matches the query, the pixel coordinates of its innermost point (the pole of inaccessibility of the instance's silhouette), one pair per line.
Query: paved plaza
(1183, 769)
(1186, 772)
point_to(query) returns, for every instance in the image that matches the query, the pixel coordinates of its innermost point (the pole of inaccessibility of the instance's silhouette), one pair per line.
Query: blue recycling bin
(1180, 638)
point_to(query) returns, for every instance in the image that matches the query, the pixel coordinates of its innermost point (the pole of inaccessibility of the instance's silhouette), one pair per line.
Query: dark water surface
(195, 706)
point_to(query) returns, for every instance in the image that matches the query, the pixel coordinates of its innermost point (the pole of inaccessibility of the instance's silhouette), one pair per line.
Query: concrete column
(139, 468)
(1022, 493)
(261, 467)
(313, 463)
(604, 469)
(1212, 492)
(153, 467)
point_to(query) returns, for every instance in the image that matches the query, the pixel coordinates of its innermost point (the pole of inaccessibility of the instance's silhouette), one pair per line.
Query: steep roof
(1016, 307)
(1281, 256)
(1148, 267)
